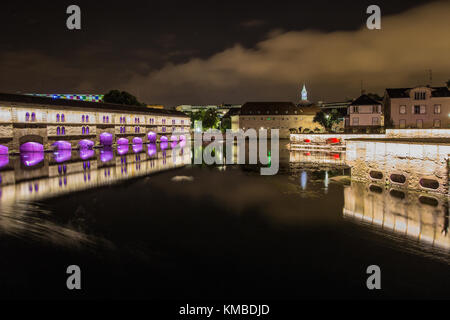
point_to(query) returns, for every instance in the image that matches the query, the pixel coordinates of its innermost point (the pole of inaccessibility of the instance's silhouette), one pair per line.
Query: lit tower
(304, 93)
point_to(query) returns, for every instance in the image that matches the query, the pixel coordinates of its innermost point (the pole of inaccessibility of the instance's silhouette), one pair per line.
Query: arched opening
(428, 201)
(375, 189)
(398, 178)
(397, 194)
(106, 139)
(429, 183)
(376, 175)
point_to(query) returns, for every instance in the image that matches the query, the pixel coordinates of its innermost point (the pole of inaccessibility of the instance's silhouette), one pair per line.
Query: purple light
(4, 150)
(137, 140)
(30, 159)
(182, 138)
(173, 138)
(4, 160)
(122, 149)
(86, 144)
(122, 141)
(173, 144)
(62, 145)
(163, 139)
(151, 149)
(151, 136)
(86, 153)
(106, 154)
(62, 156)
(164, 145)
(182, 143)
(106, 139)
(31, 147)
(137, 147)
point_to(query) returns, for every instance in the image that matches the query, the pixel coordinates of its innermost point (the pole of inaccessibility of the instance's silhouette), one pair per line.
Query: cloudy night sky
(205, 52)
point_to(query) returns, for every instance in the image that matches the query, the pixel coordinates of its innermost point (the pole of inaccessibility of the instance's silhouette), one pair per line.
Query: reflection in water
(62, 155)
(106, 154)
(4, 160)
(68, 171)
(86, 153)
(303, 179)
(415, 215)
(31, 159)
(122, 149)
(151, 149)
(137, 148)
(19, 217)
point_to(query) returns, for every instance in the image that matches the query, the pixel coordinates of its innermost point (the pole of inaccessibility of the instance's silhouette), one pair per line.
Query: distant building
(285, 116)
(364, 115)
(221, 109)
(70, 96)
(304, 98)
(419, 107)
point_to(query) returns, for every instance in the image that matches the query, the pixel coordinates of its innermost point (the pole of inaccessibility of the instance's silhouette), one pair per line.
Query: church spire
(304, 93)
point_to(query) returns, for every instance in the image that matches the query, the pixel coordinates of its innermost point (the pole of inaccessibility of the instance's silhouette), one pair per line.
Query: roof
(45, 102)
(365, 100)
(232, 112)
(404, 92)
(273, 108)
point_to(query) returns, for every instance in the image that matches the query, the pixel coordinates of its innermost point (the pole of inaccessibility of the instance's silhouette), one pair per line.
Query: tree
(121, 97)
(327, 119)
(210, 118)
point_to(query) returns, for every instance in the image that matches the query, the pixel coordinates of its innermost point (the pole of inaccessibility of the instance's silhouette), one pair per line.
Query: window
(419, 123)
(107, 119)
(27, 116)
(82, 118)
(375, 121)
(87, 130)
(437, 108)
(423, 109)
(419, 95)
(355, 121)
(437, 123)
(402, 109)
(33, 116)
(83, 130)
(416, 109)
(58, 131)
(57, 117)
(87, 118)
(62, 118)
(402, 123)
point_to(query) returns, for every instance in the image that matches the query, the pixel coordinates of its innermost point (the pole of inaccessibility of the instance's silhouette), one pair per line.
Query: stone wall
(417, 133)
(391, 162)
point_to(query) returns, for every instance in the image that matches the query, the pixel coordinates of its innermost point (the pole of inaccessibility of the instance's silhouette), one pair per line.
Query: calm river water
(146, 223)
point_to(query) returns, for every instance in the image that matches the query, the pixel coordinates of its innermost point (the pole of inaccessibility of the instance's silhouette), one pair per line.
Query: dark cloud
(253, 23)
(193, 53)
(332, 64)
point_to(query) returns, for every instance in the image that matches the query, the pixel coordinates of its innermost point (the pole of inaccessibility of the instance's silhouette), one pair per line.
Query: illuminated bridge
(30, 123)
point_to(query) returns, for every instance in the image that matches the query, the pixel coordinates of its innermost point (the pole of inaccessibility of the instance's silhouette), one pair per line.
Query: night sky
(209, 52)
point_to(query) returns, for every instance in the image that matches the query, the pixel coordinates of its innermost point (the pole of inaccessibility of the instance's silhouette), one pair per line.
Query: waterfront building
(221, 109)
(46, 121)
(285, 116)
(70, 96)
(364, 115)
(419, 107)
